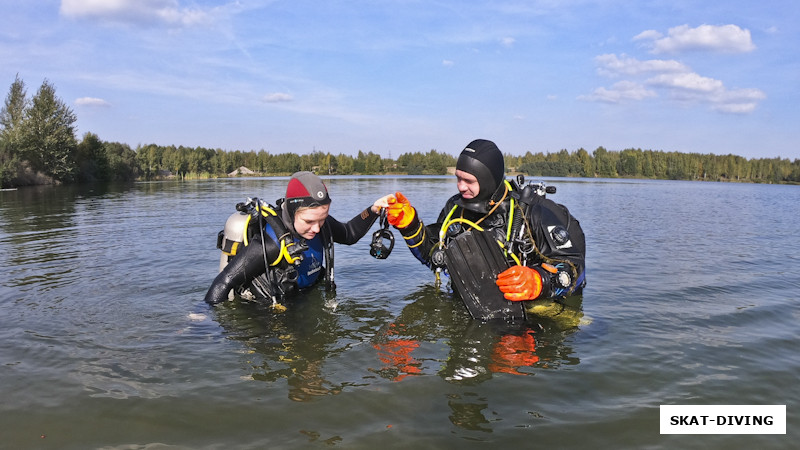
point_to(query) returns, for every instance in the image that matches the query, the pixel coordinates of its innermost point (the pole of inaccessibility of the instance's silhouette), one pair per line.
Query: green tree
(647, 165)
(629, 165)
(262, 162)
(149, 159)
(345, 165)
(11, 118)
(373, 163)
(412, 163)
(328, 164)
(48, 135)
(586, 163)
(287, 163)
(605, 163)
(9, 164)
(121, 161)
(91, 159)
(436, 163)
(13, 113)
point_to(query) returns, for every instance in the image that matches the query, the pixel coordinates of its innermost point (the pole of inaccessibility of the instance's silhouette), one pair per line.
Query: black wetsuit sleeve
(243, 268)
(352, 231)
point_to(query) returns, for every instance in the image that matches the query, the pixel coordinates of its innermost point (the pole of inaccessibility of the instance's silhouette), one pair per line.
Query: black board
(473, 260)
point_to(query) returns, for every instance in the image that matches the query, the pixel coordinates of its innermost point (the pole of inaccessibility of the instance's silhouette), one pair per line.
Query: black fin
(473, 260)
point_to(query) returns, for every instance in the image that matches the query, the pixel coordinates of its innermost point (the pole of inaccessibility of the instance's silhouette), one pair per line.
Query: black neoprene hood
(484, 160)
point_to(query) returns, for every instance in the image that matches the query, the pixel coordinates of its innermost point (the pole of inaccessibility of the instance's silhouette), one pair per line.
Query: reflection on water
(295, 344)
(477, 350)
(299, 344)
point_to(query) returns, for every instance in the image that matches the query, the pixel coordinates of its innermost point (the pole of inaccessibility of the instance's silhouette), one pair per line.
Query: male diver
(497, 234)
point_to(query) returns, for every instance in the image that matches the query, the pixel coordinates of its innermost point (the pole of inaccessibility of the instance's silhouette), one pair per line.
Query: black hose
(261, 224)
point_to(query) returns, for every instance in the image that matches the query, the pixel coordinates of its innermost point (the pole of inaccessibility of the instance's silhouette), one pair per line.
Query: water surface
(106, 342)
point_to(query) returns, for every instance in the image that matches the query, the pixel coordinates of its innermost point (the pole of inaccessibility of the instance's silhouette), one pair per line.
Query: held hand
(400, 212)
(520, 283)
(382, 202)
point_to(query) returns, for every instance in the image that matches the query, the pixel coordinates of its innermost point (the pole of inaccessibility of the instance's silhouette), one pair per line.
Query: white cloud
(612, 65)
(92, 101)
(648, 35)
(278, 97)
(724, 38)
(507, 41)
(620, 91)
(135, 11)
(675, 79)
(693, 88)
(690, 82)
(739, 101)
(447, 63)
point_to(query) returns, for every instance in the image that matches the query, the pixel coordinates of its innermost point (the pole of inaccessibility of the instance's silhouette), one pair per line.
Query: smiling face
(308, 221)
(467, 184)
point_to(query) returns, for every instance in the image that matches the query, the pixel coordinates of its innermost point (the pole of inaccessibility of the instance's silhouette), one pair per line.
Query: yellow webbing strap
(266, 211)
(244, 232)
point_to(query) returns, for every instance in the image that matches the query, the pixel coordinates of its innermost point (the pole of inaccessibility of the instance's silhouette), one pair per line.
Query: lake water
(105, 341)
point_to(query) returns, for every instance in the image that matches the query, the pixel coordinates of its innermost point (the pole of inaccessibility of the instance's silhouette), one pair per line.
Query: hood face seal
(482, 159)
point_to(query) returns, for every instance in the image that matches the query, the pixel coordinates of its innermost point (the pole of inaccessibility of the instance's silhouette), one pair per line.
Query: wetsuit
(247, 270)
(557, 237)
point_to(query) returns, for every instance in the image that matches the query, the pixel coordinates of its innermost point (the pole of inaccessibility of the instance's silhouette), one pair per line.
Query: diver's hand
(382, 202)
(400, 212)
(520, 283)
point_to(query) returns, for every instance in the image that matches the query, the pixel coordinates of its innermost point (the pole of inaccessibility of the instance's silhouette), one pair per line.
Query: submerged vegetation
(38, 146)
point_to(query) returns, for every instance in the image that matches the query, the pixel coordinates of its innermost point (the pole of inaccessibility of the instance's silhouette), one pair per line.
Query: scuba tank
(231, 239)
(238, 230)
(560, 235)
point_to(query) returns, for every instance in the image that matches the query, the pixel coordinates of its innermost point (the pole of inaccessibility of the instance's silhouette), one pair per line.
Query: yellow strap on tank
(265, 211)
(234, 249)
(284, 251)
(244, 232)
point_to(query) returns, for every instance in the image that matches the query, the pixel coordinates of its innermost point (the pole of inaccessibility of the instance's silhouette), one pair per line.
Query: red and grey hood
(305, 189)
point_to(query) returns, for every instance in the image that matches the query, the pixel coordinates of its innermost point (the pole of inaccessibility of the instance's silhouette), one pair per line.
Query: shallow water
(106, 342)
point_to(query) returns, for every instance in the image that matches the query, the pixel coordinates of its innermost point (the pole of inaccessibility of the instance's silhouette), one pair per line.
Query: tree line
(657, 164)
(38, 146)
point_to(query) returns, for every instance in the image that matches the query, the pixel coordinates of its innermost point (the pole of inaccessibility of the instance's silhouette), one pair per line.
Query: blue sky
(400, 76)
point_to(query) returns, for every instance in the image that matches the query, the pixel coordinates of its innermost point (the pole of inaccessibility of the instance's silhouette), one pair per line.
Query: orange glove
(520, 283)
(400, 212)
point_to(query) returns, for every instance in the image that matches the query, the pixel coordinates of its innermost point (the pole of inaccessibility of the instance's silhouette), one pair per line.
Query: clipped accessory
(382, 240)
